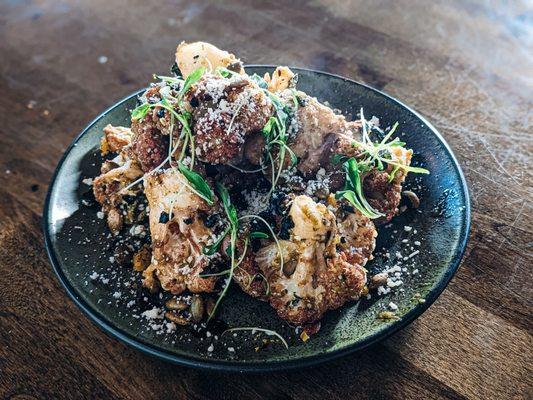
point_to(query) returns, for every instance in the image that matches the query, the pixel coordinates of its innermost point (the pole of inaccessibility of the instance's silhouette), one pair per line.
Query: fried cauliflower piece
(178, 235)
(318, 273)
(115, 138)
(191, 56)
(225, 112)
(313, 133)
(382, 193)
(282, 78)
(109, 189)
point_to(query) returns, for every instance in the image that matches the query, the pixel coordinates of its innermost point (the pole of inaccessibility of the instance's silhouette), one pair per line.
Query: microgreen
(212, 249)
(231, 214)
(259, 235)
(191, 80)
(199, 185)
(141, 111)
(353, 191)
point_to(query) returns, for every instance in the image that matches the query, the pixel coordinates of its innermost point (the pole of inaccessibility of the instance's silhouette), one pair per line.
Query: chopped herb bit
(259, 235)
(199, 185)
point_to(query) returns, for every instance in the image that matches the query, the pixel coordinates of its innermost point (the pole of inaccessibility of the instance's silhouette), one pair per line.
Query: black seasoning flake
(302, 102)
(194, 102)
(161, 113)
(188, 221)
(163, 218)
(175, 70)
(211, 220)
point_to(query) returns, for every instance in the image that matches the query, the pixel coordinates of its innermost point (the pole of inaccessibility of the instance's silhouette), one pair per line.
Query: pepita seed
(176, 305)
(378, 280)
(209, 305)
(141, 259)
(197, 308)
(176, 318)
(289, 267)
(412, 197)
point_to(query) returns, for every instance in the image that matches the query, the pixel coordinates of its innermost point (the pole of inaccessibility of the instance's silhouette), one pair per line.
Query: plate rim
(264, 366)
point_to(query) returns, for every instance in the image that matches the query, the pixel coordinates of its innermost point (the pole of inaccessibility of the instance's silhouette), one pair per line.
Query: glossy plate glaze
(78, 249)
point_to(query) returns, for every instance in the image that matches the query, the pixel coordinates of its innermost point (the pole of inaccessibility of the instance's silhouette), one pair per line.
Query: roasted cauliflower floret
(115, 138)
(282, 78)
(178, 235)
(382, 193)
(313, 133)
(225, 112)
(191, 56)
(110, 190)
(316, 275)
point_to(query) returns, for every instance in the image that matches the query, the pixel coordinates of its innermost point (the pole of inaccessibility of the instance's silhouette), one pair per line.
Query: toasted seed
(289, 267)
(197, 308)
(386, 315)
(176, 304)
(378, 280)
(114, 220)
(141, 259)
(150, 281)
(176, 318)
(413, 198)
(209, 305)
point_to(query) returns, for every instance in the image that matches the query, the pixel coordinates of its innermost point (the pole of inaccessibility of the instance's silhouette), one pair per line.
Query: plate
(436, 235)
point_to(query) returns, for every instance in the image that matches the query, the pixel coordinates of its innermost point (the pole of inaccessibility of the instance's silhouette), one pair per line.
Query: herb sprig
(231, 214)
(353, 191)
(372, 156)
(176, 108)
(274, 131)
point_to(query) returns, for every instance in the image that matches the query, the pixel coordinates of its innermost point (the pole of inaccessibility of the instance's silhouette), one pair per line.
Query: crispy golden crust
(115, 138)
(108, 189)
(226, 111)
(322, 263)
(385, 195)
(178, 235)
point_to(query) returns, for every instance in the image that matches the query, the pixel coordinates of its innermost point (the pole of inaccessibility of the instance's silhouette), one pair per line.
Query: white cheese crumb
(154, 313)
(408, 228)
(393, 306)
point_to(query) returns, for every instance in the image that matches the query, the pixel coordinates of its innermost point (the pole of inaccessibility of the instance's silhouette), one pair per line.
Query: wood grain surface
(465, 65)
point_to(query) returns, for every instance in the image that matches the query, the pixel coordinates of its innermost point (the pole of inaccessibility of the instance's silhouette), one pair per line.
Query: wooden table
(466, 66)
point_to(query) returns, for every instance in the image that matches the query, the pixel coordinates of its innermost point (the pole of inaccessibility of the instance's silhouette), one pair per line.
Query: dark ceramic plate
(76, 243)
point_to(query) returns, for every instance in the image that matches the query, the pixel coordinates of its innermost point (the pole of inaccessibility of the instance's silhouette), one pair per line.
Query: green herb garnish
(353, 191)
(141, 111)
(191, 80)
(199, 185)
(259, 235)
(231, 213)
